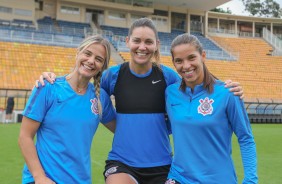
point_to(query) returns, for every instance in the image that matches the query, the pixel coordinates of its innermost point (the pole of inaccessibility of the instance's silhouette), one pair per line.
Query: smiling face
(142, 44)
(188, 63)
(90, 61)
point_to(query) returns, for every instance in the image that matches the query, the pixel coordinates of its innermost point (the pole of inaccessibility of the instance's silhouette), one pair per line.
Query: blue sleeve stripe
(32, 101)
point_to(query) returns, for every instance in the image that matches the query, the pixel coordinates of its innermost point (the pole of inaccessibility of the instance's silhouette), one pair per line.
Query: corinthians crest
(94, 106)
(205, 106)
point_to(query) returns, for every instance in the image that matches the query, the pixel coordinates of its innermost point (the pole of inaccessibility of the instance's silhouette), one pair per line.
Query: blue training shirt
(202, 127)
(141, 139)
(68, 124)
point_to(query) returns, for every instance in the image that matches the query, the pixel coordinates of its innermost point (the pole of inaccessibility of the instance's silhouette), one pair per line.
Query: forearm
(249, 159)
(31, 158)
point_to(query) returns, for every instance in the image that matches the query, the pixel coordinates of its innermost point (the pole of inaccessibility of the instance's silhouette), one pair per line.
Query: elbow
(20, 141)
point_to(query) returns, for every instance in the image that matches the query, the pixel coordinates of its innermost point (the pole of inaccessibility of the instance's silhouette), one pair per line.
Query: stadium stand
(46, 41)
(49, 25)
(48, 32)
(17, 24)
(21, 64)
(259, 73)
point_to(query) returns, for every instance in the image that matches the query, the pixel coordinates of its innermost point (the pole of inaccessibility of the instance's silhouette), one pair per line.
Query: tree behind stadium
(266, 8)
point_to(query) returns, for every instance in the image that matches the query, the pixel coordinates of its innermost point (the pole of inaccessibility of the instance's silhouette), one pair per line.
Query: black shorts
(9, 110)
(172, 181)
(148, 175)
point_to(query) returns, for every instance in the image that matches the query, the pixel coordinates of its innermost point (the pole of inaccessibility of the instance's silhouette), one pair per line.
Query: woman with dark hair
(204, 115)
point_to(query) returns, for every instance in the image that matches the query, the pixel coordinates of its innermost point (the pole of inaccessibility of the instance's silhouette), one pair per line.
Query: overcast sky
(237, 7)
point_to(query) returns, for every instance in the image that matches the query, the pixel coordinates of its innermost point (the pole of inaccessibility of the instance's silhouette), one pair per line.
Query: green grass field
(268, 139)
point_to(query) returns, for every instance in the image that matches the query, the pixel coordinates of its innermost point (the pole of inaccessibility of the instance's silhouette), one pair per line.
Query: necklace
(80, 90)
(77, 89)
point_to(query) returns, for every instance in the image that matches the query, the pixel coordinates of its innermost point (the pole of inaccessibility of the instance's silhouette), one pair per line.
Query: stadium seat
(21, 64)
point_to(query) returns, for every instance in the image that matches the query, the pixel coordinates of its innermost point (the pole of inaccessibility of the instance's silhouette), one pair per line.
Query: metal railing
(39, 38)
(222, 31)
(142, 3)
(20, 99)
(274, 41)
(230, 32)
(233, 54)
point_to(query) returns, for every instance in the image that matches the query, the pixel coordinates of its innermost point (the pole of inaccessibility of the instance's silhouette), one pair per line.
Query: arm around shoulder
(170, 75)
(108, 112)
(109, 78)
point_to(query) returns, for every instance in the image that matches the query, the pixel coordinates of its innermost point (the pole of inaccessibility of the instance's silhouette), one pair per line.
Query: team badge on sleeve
(94, 106)
(205, 106)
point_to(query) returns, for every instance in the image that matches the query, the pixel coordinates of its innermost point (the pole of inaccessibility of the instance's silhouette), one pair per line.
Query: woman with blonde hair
(64, 116)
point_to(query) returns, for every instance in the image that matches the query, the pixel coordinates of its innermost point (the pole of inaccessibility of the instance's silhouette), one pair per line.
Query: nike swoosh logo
(174, 104)
(154, 82)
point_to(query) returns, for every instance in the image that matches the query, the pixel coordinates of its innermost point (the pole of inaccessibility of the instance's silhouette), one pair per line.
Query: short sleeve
(170, 75)
(109, 78)
(108, 112)
(39, 102)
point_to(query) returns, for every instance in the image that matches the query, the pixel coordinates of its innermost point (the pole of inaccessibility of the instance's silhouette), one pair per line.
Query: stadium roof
(204, 5)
